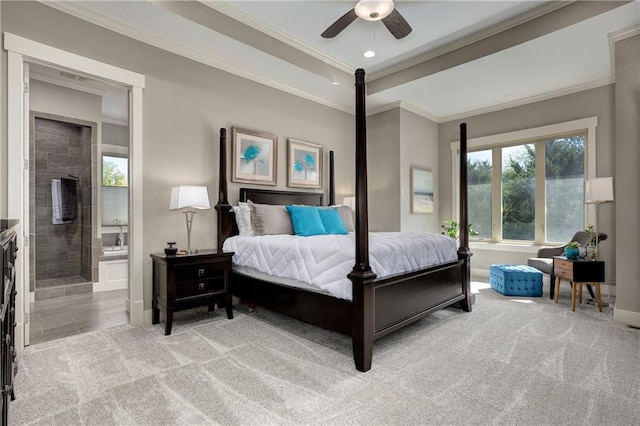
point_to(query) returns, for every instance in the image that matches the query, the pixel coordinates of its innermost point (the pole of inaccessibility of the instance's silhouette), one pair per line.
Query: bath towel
(56, 202)
(69, 195)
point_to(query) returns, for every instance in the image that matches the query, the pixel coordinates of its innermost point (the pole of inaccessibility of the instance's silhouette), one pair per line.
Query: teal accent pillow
(332, 221)
(306, 220)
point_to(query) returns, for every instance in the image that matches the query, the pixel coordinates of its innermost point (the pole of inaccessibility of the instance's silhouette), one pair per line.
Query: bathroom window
(115, 191)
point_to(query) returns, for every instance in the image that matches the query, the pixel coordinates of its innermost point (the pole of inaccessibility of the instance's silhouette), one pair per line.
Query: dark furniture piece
(7, 315)
(578, 272)
(378, 306)
(185, 282)
(544, 259)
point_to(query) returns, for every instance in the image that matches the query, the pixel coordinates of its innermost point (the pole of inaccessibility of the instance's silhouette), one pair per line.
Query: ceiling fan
(372, 10)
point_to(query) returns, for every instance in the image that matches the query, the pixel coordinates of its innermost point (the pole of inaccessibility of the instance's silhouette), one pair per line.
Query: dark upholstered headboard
(270, 196)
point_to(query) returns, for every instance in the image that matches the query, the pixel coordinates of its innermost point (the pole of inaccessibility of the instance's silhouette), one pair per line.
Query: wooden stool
(573, 292)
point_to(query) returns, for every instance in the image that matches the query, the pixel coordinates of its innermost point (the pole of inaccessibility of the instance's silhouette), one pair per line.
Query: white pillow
(243, 219)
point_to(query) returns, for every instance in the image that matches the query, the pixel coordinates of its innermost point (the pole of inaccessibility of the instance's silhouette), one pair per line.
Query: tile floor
(65, 316)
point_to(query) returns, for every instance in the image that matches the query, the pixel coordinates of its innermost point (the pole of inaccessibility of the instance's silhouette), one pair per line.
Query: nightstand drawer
(196, 288)
(562, 272)
(200, 271)
(564, 264)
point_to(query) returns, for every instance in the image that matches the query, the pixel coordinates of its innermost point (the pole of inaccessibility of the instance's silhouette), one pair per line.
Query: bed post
(463, 252)
(362, 276)
(225, 221)
(332, 181)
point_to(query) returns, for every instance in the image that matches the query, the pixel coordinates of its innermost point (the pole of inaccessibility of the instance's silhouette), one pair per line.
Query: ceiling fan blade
(340, 24)
(397, 25)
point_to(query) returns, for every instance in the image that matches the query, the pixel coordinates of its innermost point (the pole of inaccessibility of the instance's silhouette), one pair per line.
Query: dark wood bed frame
(378, 306)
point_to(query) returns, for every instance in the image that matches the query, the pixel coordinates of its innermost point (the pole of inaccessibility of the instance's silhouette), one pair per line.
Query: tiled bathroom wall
(60, 147)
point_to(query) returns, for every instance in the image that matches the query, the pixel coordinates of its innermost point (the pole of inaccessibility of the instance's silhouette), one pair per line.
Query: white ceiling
(278, 43)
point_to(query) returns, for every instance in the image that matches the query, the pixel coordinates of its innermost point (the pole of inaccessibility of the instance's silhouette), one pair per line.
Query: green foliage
(574, 244)
(111, 176)
(591, 234)
(451, 229)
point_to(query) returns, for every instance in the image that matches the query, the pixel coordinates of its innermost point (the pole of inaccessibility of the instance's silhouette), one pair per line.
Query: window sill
(509, 247)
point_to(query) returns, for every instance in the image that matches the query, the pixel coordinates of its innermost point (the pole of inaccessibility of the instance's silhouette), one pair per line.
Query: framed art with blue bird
(304, 164)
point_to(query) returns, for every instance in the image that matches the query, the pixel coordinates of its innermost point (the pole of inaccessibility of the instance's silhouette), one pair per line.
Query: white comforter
(324, 261)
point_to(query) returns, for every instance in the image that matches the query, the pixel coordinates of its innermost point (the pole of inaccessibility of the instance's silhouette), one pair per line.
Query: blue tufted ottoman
(516, 280)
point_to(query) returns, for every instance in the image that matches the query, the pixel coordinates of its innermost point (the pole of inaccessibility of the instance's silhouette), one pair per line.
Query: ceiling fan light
(374, 10)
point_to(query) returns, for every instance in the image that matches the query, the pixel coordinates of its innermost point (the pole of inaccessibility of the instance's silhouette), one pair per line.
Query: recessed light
(335, 83)
(369, 54)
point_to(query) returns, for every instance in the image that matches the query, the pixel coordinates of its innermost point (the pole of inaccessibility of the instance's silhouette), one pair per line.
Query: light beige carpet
(511, 361)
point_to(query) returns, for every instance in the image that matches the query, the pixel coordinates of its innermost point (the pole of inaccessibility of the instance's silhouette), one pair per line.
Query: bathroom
(78, 166)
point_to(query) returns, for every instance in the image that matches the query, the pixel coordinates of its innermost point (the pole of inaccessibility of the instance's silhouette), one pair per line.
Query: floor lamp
(599, 190)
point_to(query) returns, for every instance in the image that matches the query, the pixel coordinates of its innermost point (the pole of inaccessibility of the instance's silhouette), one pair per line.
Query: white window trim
(585, 124)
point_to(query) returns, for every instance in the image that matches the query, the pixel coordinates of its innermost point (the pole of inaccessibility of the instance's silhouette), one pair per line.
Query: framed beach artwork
(304, 164)
(421, 190)
(254, 156)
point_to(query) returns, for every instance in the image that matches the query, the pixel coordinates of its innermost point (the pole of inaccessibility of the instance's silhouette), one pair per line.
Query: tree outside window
(563, 161)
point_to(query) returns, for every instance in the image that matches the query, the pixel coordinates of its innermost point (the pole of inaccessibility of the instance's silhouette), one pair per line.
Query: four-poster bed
(378, 306)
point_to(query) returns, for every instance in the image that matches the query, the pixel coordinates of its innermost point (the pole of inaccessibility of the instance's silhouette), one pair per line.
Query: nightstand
(578, 272)
(188, 281)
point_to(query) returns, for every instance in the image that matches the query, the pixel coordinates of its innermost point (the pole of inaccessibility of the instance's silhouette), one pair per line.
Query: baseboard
(630, 318)
(480, 273)
(148, 316)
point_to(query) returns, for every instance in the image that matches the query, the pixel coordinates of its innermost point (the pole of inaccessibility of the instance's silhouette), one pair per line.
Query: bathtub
(113, 269)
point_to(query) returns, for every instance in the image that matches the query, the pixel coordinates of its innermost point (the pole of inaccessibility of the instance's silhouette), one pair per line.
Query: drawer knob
(201, 272)
(201, 286)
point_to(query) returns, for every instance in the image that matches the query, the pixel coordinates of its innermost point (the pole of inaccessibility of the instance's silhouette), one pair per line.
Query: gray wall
(419, 148)
(398, 140)
(383, 167)
(185, 103)
(627, 177)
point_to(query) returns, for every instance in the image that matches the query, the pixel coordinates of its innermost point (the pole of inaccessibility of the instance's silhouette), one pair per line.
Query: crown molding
(164, 44)
(407, 107)
(617, 36)
(240, 16)
(530, 100)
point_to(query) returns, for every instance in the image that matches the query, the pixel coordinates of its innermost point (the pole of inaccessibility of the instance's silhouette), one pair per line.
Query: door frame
(19, 50)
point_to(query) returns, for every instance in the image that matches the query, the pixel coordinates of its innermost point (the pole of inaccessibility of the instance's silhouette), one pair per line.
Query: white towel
(56, 202)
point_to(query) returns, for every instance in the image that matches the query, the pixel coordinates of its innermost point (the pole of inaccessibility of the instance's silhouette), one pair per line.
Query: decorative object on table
(189, 197)
(451, 228)
(171, 250)
(598, 191)
(421, 190)
(304, 164)
(572, 249)
(254, 156)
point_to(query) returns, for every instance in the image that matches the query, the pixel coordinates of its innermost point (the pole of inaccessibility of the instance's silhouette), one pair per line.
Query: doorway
(19, 48)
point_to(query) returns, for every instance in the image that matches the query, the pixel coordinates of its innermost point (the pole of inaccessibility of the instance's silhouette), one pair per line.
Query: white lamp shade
(599, 190)
(349, 202)
(373, 10)
(195, 197)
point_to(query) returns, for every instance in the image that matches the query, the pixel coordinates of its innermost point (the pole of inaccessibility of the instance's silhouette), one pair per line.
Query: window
(115, 191)
(528, 187)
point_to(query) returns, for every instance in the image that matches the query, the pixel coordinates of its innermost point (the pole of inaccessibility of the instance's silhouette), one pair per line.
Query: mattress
(323, 261)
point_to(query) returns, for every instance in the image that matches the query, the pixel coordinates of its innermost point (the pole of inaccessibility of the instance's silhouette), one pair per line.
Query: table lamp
(189, 197)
